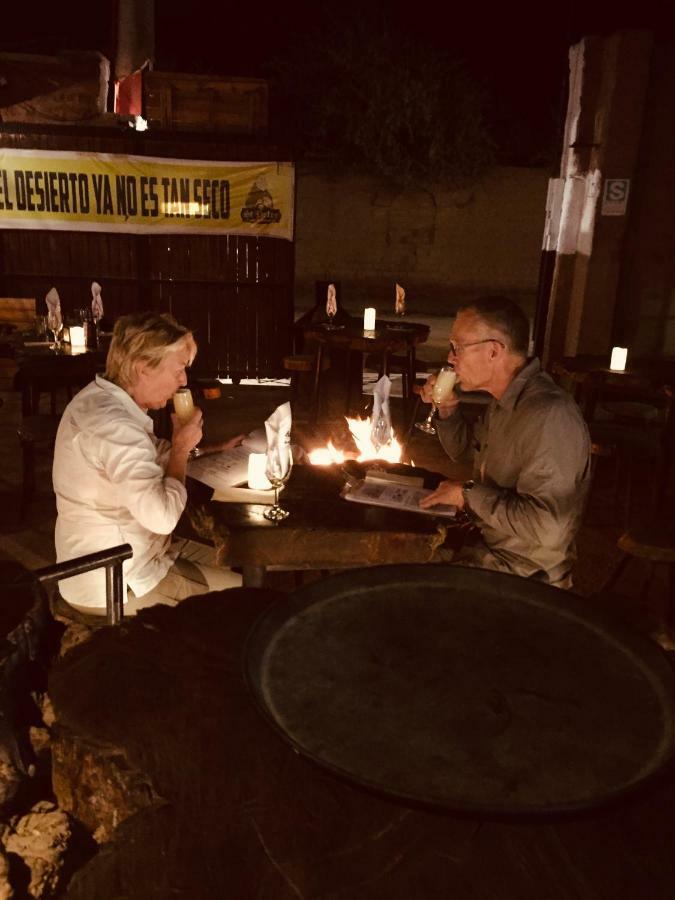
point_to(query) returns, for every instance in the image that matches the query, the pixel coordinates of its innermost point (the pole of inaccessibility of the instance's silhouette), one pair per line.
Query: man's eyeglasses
(456, 349)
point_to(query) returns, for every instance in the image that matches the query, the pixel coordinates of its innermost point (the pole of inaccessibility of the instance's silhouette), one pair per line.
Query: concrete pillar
(608, 85)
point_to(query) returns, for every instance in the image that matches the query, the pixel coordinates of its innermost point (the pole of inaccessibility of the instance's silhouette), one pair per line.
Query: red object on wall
(129, 95)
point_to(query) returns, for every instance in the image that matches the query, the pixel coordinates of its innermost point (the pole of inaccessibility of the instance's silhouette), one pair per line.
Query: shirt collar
(510, 396)
(126, 400)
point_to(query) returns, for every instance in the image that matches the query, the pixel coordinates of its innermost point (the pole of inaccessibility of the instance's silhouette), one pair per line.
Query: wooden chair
(651, 541)
(301, 366)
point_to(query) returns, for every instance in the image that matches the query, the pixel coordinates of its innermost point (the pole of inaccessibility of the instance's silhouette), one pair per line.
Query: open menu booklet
(229, 467)
(396, 492)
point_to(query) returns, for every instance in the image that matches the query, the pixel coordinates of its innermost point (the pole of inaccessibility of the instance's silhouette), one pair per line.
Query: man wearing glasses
(531, 463)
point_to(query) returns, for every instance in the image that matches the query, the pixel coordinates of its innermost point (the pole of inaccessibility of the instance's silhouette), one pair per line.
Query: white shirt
(111, 489)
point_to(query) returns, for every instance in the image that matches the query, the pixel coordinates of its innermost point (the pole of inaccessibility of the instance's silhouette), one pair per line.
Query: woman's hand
(219, 446)
(186, 435)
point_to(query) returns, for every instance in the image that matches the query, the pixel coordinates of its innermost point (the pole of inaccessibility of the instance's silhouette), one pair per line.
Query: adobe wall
(442, 246)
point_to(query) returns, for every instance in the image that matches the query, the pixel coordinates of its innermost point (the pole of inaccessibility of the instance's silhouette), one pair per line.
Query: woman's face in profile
(155, 386)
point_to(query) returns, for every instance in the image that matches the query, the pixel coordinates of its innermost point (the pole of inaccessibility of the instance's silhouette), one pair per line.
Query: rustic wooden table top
(323, 531)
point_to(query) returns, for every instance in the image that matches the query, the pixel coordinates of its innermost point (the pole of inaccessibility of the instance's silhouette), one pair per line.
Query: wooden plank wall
(235, 292)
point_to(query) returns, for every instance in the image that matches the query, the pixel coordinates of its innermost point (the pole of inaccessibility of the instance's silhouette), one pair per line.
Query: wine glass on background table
(442, 390)
(184, 407)
(55, 325)
(279, 465)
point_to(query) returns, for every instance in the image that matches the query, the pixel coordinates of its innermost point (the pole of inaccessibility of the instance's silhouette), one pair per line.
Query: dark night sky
(517, 51)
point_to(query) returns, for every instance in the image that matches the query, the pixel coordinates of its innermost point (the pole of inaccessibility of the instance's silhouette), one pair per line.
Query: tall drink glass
(184, 408)
(183, 404)
(442, 390)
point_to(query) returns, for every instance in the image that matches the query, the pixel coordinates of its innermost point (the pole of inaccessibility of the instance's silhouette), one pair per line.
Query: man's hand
(188, 435)
(449, 492)
(447, 407)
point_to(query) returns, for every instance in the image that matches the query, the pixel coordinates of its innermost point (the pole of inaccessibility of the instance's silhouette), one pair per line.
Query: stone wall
(442, 246)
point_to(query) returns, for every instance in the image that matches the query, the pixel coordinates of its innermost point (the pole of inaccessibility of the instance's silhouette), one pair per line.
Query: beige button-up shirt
(111, 489)
(532, 469)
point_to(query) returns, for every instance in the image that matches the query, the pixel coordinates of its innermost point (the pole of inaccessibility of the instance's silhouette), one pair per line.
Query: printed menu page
(395, 496)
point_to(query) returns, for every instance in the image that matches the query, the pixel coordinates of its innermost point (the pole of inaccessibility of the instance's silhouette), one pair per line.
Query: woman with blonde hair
(115, 482)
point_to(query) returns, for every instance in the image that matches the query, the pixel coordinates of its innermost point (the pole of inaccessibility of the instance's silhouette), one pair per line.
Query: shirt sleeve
(130, 459)
(455, 434)
(555, 455)
(163, 451)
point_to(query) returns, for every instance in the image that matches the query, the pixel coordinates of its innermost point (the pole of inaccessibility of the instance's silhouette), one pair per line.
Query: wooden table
(387, 339)
(42, 370)
(322, 532)
(592, 380)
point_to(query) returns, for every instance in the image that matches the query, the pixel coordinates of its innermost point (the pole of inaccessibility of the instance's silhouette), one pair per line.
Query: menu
(391, 493)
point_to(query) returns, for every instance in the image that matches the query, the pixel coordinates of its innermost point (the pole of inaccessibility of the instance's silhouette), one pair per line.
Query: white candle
(257, 480)
(618, 361)
(77, 336)
(369, 319)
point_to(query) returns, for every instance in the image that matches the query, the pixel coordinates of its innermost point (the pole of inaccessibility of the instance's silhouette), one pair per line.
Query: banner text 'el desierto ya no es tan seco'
(110, 192)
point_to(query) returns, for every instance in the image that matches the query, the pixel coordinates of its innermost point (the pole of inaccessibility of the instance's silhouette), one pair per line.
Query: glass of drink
(278, 471)
(184, 408)
(442, 390)
(55, 325)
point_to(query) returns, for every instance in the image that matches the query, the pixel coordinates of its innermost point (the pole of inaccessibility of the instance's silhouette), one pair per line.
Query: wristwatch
(466, 487)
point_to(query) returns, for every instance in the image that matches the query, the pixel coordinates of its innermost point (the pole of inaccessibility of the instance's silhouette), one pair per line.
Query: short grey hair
(145, 338)
(506, 317)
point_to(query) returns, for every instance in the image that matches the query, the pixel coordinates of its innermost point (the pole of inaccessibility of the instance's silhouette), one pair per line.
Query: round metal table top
(463, 689)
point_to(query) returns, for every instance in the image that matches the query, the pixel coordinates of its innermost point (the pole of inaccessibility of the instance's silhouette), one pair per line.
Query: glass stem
(276, 495)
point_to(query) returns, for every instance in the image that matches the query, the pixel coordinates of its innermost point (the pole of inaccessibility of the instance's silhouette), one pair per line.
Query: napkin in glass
(53, 302)
(380, 433)
(278, 431)
(331, 301)
(96, 301)
(399, 302)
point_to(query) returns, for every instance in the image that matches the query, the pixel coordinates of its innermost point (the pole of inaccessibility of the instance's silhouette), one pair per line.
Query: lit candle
(618, 361)
(257, 479)
(369, 319)
(77, 336)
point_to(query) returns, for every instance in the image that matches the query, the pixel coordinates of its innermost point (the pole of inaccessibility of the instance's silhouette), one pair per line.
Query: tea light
(77, 336)
(618, 360)
(257, 480)
(369, 319)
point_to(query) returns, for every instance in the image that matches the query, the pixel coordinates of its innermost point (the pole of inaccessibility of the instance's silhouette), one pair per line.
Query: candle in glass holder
(618, 360)
(77, 337)
(369, 319)
(257, 479)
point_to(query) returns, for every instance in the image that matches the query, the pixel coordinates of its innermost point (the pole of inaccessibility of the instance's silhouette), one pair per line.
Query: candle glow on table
(77, 336)
(257, 479)
(369, 319)
(618, 361)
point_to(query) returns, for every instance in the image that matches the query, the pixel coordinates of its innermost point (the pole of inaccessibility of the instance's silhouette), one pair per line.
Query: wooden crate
(202, 102)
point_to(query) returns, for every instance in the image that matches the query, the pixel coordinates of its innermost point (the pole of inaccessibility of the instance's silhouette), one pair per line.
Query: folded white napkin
(331, 301)
(399, 302)
(278, 430)
(96, 301)
(380, 433)
(53, 302)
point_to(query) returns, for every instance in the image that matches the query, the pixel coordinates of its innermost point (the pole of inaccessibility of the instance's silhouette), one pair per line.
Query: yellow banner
(111, 192)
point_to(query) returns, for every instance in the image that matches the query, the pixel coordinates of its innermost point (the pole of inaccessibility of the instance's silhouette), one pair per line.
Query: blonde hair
(144, 338)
